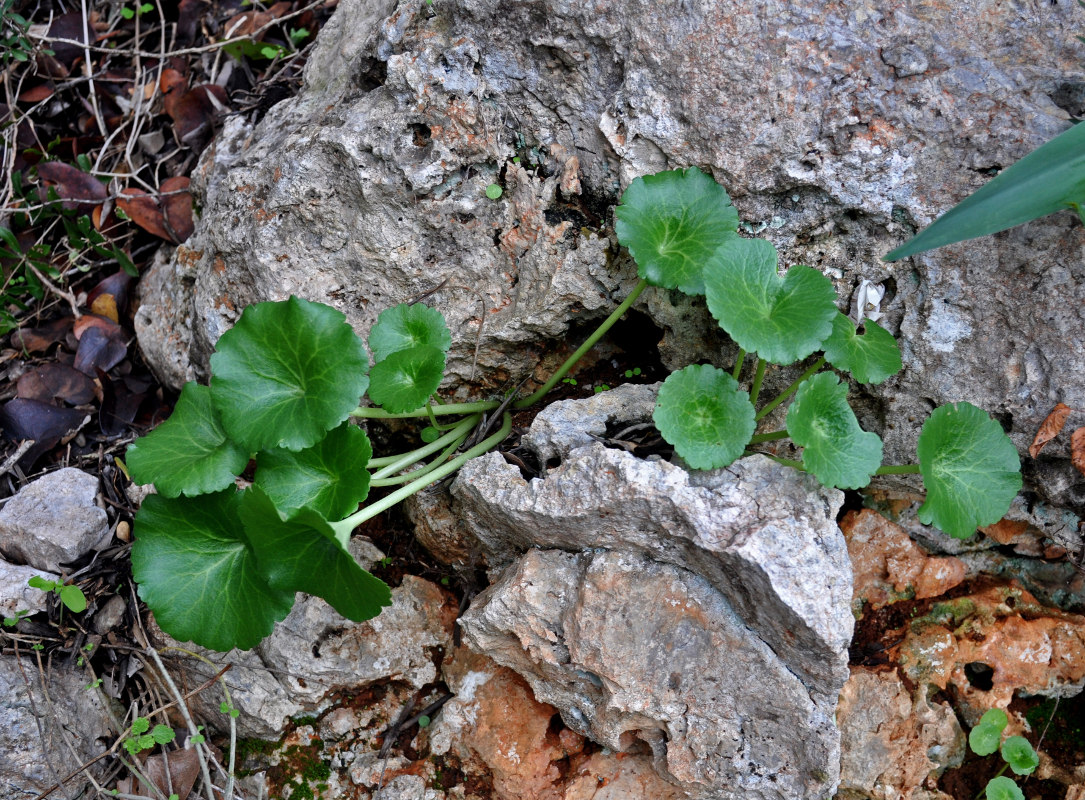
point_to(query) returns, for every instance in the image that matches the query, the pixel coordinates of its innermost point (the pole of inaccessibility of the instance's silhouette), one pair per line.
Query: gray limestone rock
(16, 595)
(32, 761)
(635, 651)
(837, 129)
(53, 520)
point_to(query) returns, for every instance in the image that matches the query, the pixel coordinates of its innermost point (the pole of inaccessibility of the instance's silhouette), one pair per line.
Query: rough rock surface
(15, 595)
(30, 764)
(635, 652)
(53, 520)
(315, 651)
(893, 742)
(763, 534)
(838, 128)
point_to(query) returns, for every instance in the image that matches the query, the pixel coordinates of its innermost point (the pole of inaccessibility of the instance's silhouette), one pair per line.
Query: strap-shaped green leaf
(198, 574)
(405, 379)
(706, 415)
(871, 357)
(330, 477)
(970, 468)
(835, 449)
(190, 452)
(671, 222)
(287, 373)
(781, 319)
(1049, 179)
(406, 326)
(301, 553)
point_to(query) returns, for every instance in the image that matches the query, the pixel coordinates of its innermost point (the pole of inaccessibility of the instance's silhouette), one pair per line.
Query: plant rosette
(1017, 754)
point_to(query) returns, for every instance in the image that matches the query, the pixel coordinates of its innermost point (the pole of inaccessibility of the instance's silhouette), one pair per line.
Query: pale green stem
(570, 362)
(395, 480)
(897, 469)
(445, 410)
(787, 462)
(790, 390)
(738, 363)
(344, 527)
(757, 438)
(759, 376)
(433, 418)
(413, 457)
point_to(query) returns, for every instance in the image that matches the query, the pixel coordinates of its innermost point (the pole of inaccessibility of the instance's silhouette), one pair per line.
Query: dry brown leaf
(168, 216)
(1050, 428)
(75, 188)
(42, 91)
(1077, 450)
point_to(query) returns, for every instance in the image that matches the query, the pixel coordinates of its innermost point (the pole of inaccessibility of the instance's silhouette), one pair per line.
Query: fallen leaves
(167, 215)
(1050, 428)
(1077, 450)
(74, 188)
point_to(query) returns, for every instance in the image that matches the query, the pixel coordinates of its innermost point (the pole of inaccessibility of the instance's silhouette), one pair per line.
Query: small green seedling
(70, 595)
(1051, 178)
(142, 740)
(138, 11)
(11, 622)
(1020, 757)
(229, 710)
(493, 191)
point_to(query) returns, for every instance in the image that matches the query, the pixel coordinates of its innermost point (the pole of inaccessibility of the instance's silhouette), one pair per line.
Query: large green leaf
(287, 373)
(985, 736)
(405, 379)
(970, 468)
(330, 477)
(781, 319)
(835, 449)
(871, 357)
(198, 574)
(704, 413)
(406, 326)
(1049, 179)
(302, 553)
(190, 452)
(671, 222)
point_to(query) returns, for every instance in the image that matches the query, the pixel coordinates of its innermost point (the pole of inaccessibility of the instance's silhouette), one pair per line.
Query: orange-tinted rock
(888, 566)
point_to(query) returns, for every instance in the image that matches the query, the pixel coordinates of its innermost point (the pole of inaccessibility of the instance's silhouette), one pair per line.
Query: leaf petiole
(395, 480)
(344, 527)
(790, 390)
(738, 363)
(758, 438)
(759, 376)
(389, 465)
(448, 409)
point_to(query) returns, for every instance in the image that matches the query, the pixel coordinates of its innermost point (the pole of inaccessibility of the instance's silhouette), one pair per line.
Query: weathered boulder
(838, 129)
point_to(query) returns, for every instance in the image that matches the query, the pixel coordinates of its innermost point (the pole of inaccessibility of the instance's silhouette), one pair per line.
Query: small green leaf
(404, 380)
(781, 319)
(330, 477)
(38, 582)
(424, 721)
(1018, 753)
(706, 415)
(835, 449)
(127, 13)
(140, 725)
(984, 738)
(970, 469)
(494, 191)
(1003, 788)
(871, 357)
(287, 373)
(1049, 179)
(199, 575)
(429, 434)
(198, 738)
(671, 222)
(190, 452)
(301, 553)
(406, 326)
(73, 598)
(163, 734)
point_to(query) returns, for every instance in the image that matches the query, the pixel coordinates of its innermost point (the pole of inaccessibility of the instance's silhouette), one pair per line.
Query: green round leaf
(73, 598)
(835, 449)
(405, 379)
(163, 734)
(704, 413)
(781, 319)
(1018, 753)
(1003, 788)
(286, 374)
(984, 738)
(970, 469)
(301, 553)
(406, 326)
(198, 574)
(190, 452)
(671, 222)
(871, 357)
(429, 434)
(494, 191)
(330, 477)
(140, 725)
